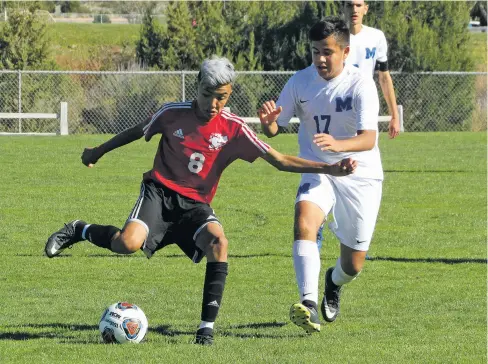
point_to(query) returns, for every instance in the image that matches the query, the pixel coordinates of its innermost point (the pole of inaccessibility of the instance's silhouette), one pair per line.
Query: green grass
(423, 300)
(478, 46)
(92, 46)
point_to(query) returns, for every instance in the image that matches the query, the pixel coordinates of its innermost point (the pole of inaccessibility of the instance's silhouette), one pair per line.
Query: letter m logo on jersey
(370, 53)
(342, 105)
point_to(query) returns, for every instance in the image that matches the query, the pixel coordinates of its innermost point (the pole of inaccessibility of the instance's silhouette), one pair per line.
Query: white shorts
(353, 201)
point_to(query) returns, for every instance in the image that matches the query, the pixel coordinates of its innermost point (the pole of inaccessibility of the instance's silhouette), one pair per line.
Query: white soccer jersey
(367, 47)
(339, 107)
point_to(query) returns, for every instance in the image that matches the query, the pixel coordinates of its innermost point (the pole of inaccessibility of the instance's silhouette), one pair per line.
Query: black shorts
(170, 218)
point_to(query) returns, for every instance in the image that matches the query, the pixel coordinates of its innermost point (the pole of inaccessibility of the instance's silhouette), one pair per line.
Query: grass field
(421, 299)
(479, 49)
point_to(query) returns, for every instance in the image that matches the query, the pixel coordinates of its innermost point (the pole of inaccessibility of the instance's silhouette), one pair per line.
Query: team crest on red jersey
(217, 141)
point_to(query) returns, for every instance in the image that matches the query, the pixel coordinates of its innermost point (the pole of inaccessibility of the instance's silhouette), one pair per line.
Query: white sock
(205, 324)
(339, 277)
(306, 260)
(84, 231)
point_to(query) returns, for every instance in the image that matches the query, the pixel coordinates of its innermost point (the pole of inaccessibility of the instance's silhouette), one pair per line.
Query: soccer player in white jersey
(338, 111)
(368, 52)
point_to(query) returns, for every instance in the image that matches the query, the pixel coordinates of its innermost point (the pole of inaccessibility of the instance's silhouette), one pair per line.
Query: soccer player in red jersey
(199, 140)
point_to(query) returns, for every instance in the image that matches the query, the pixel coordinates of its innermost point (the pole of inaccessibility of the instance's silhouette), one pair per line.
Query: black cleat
(62, 239)
(204, 336)
(332, 296)
(305, 317)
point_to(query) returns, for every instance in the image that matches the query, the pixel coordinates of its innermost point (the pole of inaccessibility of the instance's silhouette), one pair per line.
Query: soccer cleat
(305, 317)
(331, 300)
(204, 336)
(62, 239)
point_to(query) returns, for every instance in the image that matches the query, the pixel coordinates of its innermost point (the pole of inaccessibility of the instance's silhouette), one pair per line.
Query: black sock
(310, 304)
(101, 235)
(213, 290)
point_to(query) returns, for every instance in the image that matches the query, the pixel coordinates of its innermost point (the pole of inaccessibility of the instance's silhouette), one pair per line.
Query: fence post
(20, 101)
(183, 91)
(63, 119)
(400, 115)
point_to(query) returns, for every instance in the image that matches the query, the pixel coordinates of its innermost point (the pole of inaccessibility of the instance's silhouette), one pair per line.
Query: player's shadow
(430, 171)
(232, 331)
(55, 331)
(49, 331)
(429, 260)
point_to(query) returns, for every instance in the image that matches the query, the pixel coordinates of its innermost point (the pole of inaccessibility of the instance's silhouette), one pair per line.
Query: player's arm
(364, 140)
(90, 156)
(386, 84)
(290, 163)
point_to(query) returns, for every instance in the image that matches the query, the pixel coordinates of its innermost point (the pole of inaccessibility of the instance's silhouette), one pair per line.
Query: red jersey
(192, 155)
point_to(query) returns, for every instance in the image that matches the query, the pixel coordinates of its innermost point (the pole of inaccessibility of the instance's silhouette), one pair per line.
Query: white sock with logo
(306, 261)
(339, 277)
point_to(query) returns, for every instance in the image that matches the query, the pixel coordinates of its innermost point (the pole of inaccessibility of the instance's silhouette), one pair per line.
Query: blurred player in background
(368, 52)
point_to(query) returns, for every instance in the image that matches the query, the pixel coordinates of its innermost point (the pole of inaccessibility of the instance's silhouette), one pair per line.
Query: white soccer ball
(123, 323)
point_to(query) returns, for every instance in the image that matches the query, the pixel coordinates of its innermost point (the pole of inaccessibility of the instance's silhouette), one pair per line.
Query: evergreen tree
(24, 43)
(181, 48)
(148, 47)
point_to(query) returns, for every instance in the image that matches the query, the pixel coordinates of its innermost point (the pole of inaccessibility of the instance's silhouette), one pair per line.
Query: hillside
(104, 46)
(111, 46)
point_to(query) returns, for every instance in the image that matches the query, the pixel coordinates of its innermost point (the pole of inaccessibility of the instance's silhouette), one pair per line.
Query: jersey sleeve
(155, 125)
(249, 147)
(287, 101)
(367, 105)
(382, 48)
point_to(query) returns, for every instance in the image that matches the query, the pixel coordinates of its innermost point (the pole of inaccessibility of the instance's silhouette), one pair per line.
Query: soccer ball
(123, 323)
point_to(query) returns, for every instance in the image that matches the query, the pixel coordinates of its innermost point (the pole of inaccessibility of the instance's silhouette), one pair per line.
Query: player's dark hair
(343, 3)
(330, 25)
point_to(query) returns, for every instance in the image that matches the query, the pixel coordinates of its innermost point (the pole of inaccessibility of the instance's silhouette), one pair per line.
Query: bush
(102, 18)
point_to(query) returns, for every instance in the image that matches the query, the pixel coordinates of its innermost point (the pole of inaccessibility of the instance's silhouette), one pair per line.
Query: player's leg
(199, 234)
(355, 216)
(314, 200)
(212, 241)
(127, 241)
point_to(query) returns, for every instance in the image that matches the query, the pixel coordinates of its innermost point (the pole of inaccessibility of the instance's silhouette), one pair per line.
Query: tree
(148, 47)
(24, 43)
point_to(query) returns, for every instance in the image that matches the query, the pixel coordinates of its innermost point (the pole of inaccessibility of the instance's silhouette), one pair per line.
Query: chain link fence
(109, 102)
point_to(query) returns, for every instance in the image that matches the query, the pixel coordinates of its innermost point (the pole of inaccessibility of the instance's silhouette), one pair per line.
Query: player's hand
(90, 156)
(394, 127)
(268, 113)
(327, 142)
(343, 168)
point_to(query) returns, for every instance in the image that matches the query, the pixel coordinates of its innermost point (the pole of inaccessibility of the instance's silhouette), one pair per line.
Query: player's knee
(130, 242)
(217, 249)
(305, 229)
(220, 245)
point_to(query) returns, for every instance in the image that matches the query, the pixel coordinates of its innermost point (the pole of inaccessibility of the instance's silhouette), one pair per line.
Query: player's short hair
(216, 71)
(330, 25)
